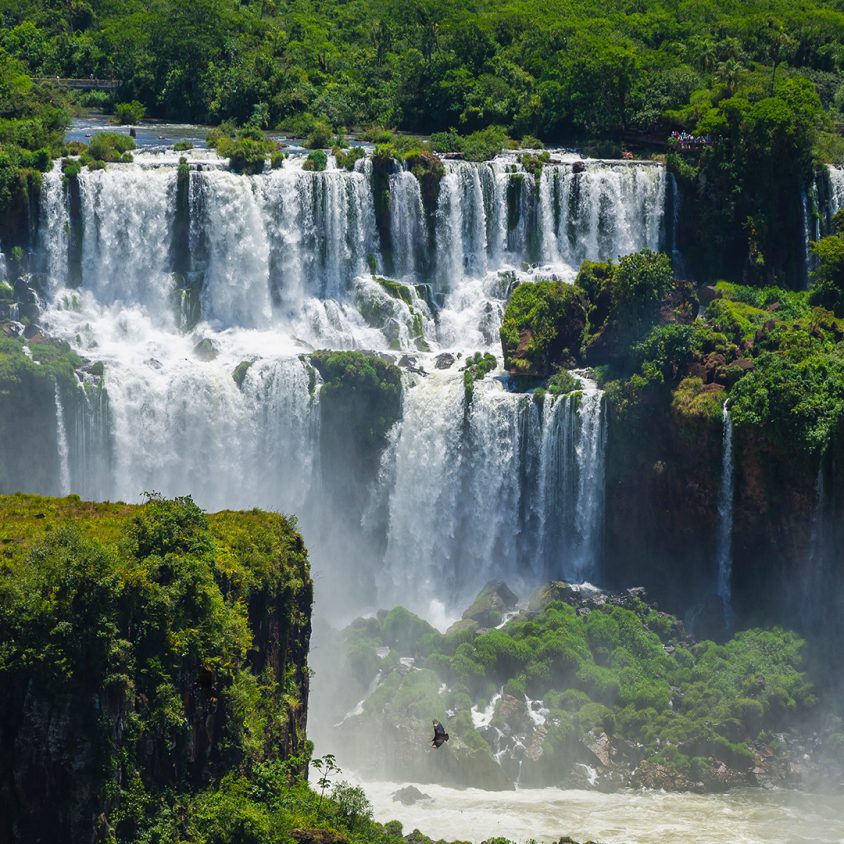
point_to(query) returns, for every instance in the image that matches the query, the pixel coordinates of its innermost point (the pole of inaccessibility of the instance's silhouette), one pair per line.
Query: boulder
(409, 795)
(578, 167)
(492, 602)
(205, 349)
(445, 360)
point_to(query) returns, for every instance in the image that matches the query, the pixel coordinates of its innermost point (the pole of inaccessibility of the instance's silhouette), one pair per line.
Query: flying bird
(440, 735)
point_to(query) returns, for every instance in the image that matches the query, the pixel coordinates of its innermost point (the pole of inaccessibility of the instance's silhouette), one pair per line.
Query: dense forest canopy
(549, 69)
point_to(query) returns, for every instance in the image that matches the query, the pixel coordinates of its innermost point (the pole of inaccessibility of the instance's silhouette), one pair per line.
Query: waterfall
(512, 490)
(816, 585)
(55, 223)
(407, 229)
(61, 445)
(676, 207)
(125, 217)
(836, 185)
(197, 296)
(725, 519)
(808, 236)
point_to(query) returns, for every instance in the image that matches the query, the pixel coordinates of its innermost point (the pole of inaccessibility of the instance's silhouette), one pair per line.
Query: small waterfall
(407, 228)
(836, 186)
(814, 604)
(54, 228)
(590, 453)
(808, 235)
(61, 445)
(570, 511)
(676, 209)
(513, 489)
(725, 519)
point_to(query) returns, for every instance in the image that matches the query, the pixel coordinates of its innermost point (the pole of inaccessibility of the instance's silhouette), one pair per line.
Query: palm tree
(728, 74)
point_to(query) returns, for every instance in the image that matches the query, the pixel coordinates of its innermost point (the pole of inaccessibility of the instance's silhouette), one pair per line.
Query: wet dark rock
(488, 609)
(409, 795)
(11, 328)
(33, 330)
(578, 167)
(205, 349)
(445, 360)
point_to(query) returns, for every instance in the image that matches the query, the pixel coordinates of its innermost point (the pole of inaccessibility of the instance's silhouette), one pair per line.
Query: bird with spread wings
(440, 735)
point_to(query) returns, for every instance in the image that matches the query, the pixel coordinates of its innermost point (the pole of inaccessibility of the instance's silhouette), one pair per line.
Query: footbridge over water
(89, 84)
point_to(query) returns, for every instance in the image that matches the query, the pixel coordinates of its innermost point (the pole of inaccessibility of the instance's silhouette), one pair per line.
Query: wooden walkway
(89, 84)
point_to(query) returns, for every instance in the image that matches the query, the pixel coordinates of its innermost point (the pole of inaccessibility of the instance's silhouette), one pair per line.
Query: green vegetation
(247, 149)
(620, 667)
(33, 117)
(828, 276)
(107, 147)
(360, 400)
(777, 358)
(551, 71)
(317, 161)
(128, 113)
(477, 367)
(169, 646)
(543, 326)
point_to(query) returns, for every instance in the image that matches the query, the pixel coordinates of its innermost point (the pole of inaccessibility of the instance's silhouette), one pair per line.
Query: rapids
(747, 816)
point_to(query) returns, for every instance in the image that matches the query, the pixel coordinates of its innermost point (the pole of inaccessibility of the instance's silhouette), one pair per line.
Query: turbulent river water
(748, 816)
(174, 284)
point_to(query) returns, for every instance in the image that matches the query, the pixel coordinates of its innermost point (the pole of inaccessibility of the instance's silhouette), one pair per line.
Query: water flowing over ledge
(176, 278)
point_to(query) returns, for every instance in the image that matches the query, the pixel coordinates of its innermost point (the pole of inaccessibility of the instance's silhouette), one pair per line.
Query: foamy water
(747, 816)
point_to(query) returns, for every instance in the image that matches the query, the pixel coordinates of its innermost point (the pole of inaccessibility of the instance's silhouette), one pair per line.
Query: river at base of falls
(746, 816)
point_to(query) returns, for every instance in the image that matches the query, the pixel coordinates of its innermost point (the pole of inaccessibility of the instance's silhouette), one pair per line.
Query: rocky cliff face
(144, 650)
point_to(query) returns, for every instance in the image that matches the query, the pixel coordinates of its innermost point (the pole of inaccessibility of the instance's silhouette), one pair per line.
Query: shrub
(347, 158)
(485, 144)
(316, 161)
(126, 113)
(108, 147)
(446, 141)
(245, 155)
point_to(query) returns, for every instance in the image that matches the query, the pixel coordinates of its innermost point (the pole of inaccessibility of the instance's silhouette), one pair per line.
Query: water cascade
(195, 294)
(725, 519)
(61, 445)
(513, 489)
(836, 185)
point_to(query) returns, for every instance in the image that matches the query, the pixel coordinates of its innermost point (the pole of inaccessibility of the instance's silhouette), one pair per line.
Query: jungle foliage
(143, 637)
(775, 354)
(622, 668)
(427, 65)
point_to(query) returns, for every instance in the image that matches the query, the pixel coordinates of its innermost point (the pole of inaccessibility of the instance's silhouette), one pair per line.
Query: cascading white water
(61, 446)
(513, 490)
(126, 213)
(499, 487)
(407, 224)
(54, 226)
(836, 184)
(725, 519)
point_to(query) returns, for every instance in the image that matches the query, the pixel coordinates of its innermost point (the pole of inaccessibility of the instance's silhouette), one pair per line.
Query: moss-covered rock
(360, 400)
(543, 327)
(581, 677)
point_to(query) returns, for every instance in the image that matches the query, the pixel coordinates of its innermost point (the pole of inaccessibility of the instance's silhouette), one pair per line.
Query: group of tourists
(686, 140)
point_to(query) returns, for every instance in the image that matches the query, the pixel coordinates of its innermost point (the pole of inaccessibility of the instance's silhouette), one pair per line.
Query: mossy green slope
(144, 650)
